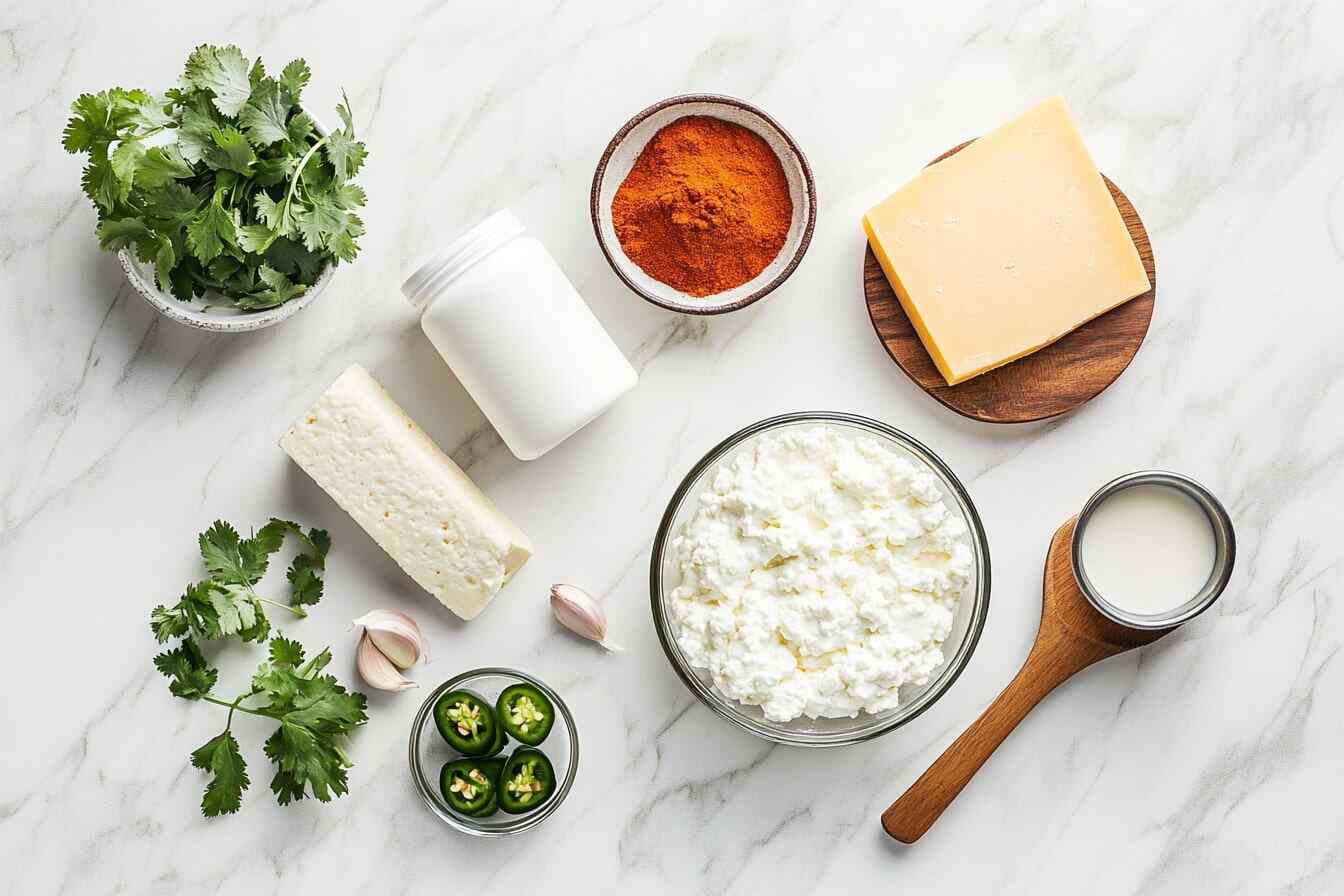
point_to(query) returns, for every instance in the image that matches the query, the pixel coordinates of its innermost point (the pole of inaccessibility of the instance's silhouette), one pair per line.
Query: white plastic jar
(518, 335)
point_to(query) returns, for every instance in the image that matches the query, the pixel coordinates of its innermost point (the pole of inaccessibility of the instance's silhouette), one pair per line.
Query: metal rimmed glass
(428, 752)
(1224, 556)
(957, 649)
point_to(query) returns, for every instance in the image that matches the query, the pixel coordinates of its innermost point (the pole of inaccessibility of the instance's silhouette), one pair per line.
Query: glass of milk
(1153, 549)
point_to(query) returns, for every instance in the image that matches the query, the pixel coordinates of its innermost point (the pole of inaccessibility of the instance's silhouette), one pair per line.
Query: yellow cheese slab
(999, 250)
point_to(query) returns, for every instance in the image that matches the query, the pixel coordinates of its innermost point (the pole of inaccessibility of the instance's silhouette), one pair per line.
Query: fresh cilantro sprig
(227, 603)
(314, 712)
(223, 183)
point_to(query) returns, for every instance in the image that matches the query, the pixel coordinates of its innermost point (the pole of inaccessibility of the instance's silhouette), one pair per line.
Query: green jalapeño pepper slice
(467, 787)
(528, 782)
(467, 722)
(525, 713)
(494, 770)
(500, 741)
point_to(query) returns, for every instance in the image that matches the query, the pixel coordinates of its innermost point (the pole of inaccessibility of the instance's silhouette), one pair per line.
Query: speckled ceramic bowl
(804, 732)
(213, 313)
(620, 157)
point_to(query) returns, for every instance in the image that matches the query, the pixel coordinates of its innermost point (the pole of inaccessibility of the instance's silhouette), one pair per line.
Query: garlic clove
(377, 670)
(396, 635)
(580, 613)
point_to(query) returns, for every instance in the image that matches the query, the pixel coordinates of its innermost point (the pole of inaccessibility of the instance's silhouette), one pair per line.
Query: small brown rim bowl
(619, 158)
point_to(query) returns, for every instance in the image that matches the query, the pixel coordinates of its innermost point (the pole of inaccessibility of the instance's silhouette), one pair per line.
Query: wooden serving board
(1058, 378)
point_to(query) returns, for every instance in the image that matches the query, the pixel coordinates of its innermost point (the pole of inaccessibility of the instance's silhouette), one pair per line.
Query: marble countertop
(1208, 763)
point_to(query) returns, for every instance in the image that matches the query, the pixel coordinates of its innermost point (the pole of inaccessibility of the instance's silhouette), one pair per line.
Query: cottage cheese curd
(819, 574)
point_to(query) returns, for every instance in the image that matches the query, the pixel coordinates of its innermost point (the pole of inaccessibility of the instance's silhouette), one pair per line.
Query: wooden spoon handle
(1052, 660)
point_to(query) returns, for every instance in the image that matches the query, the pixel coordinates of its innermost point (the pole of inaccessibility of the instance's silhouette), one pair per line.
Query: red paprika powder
(706, 206)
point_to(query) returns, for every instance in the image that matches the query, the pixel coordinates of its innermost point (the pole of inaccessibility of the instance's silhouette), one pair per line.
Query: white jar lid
(446, 266)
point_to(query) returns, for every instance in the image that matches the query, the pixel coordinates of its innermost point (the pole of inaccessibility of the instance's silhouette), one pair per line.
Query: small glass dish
(429, 751)
(804, 732)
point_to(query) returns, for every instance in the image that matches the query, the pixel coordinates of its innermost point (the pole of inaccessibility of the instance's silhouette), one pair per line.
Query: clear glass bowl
(805, 732)
(429, 751)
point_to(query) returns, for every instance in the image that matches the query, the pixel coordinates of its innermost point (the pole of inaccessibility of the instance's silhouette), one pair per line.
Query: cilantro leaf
(285, 652)
(118, 233)
(98, 119)
(343, 151)
(263, 118)
(305, 571)
(313, 713)
(233, 559)
(278, 290)
(255, 237)
(294, 260)
(342, 245)
(210, 231)
(221, 757)
(151, 113)
(194, 135)
(300, 128)
(236, 609)
(125, 159)
(173, 202)
(293, 79)
(319, 220)
(100, 182)
(165, 259)
(194, 613)
(191, 676)
(224, 72)
(269, 172)
(161, 165)
(230, 152)
(90, 123)
(166, 623)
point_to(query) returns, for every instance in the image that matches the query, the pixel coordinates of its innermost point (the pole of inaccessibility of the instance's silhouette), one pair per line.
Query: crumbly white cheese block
(383, 470)
(819, 574)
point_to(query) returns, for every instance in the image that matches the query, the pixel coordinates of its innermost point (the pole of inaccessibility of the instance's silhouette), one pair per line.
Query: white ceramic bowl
(214, 313)
(620, 157)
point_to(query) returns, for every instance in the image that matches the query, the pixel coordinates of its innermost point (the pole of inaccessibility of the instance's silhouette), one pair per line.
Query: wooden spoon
(1072, 636)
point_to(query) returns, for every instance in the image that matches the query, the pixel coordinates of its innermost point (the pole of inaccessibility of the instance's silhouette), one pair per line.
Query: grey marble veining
(1210, 762)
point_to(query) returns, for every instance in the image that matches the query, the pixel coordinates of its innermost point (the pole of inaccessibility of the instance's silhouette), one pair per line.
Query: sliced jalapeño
(525, 713)
(528, 781)
(467, 787)
(468, 723)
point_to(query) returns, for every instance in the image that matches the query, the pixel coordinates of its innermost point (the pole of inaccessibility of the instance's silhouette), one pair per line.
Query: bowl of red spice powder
(703, 204)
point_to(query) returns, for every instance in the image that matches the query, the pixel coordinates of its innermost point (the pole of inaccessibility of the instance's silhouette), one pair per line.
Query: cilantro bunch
(313, 710)
(223, 183)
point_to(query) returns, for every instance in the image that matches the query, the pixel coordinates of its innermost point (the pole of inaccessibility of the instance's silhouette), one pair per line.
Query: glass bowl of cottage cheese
(820, 579)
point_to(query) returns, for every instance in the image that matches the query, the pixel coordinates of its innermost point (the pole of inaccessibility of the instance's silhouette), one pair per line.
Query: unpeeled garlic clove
(376, 669)
(396, 635)
(580, 613)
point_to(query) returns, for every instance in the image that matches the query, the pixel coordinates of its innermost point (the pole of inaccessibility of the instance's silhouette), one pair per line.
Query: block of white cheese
(383, 470)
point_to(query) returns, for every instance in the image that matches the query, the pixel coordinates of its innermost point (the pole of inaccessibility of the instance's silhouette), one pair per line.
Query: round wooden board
(1046, 383)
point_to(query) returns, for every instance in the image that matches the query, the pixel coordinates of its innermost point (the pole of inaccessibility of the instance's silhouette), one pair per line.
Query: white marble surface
(1211, 763)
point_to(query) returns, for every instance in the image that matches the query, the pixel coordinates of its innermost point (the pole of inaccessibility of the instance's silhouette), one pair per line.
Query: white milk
(1148, 549)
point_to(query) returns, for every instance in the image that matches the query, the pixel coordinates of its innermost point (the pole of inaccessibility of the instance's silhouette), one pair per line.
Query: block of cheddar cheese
(383, 470)
(1001, 249)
